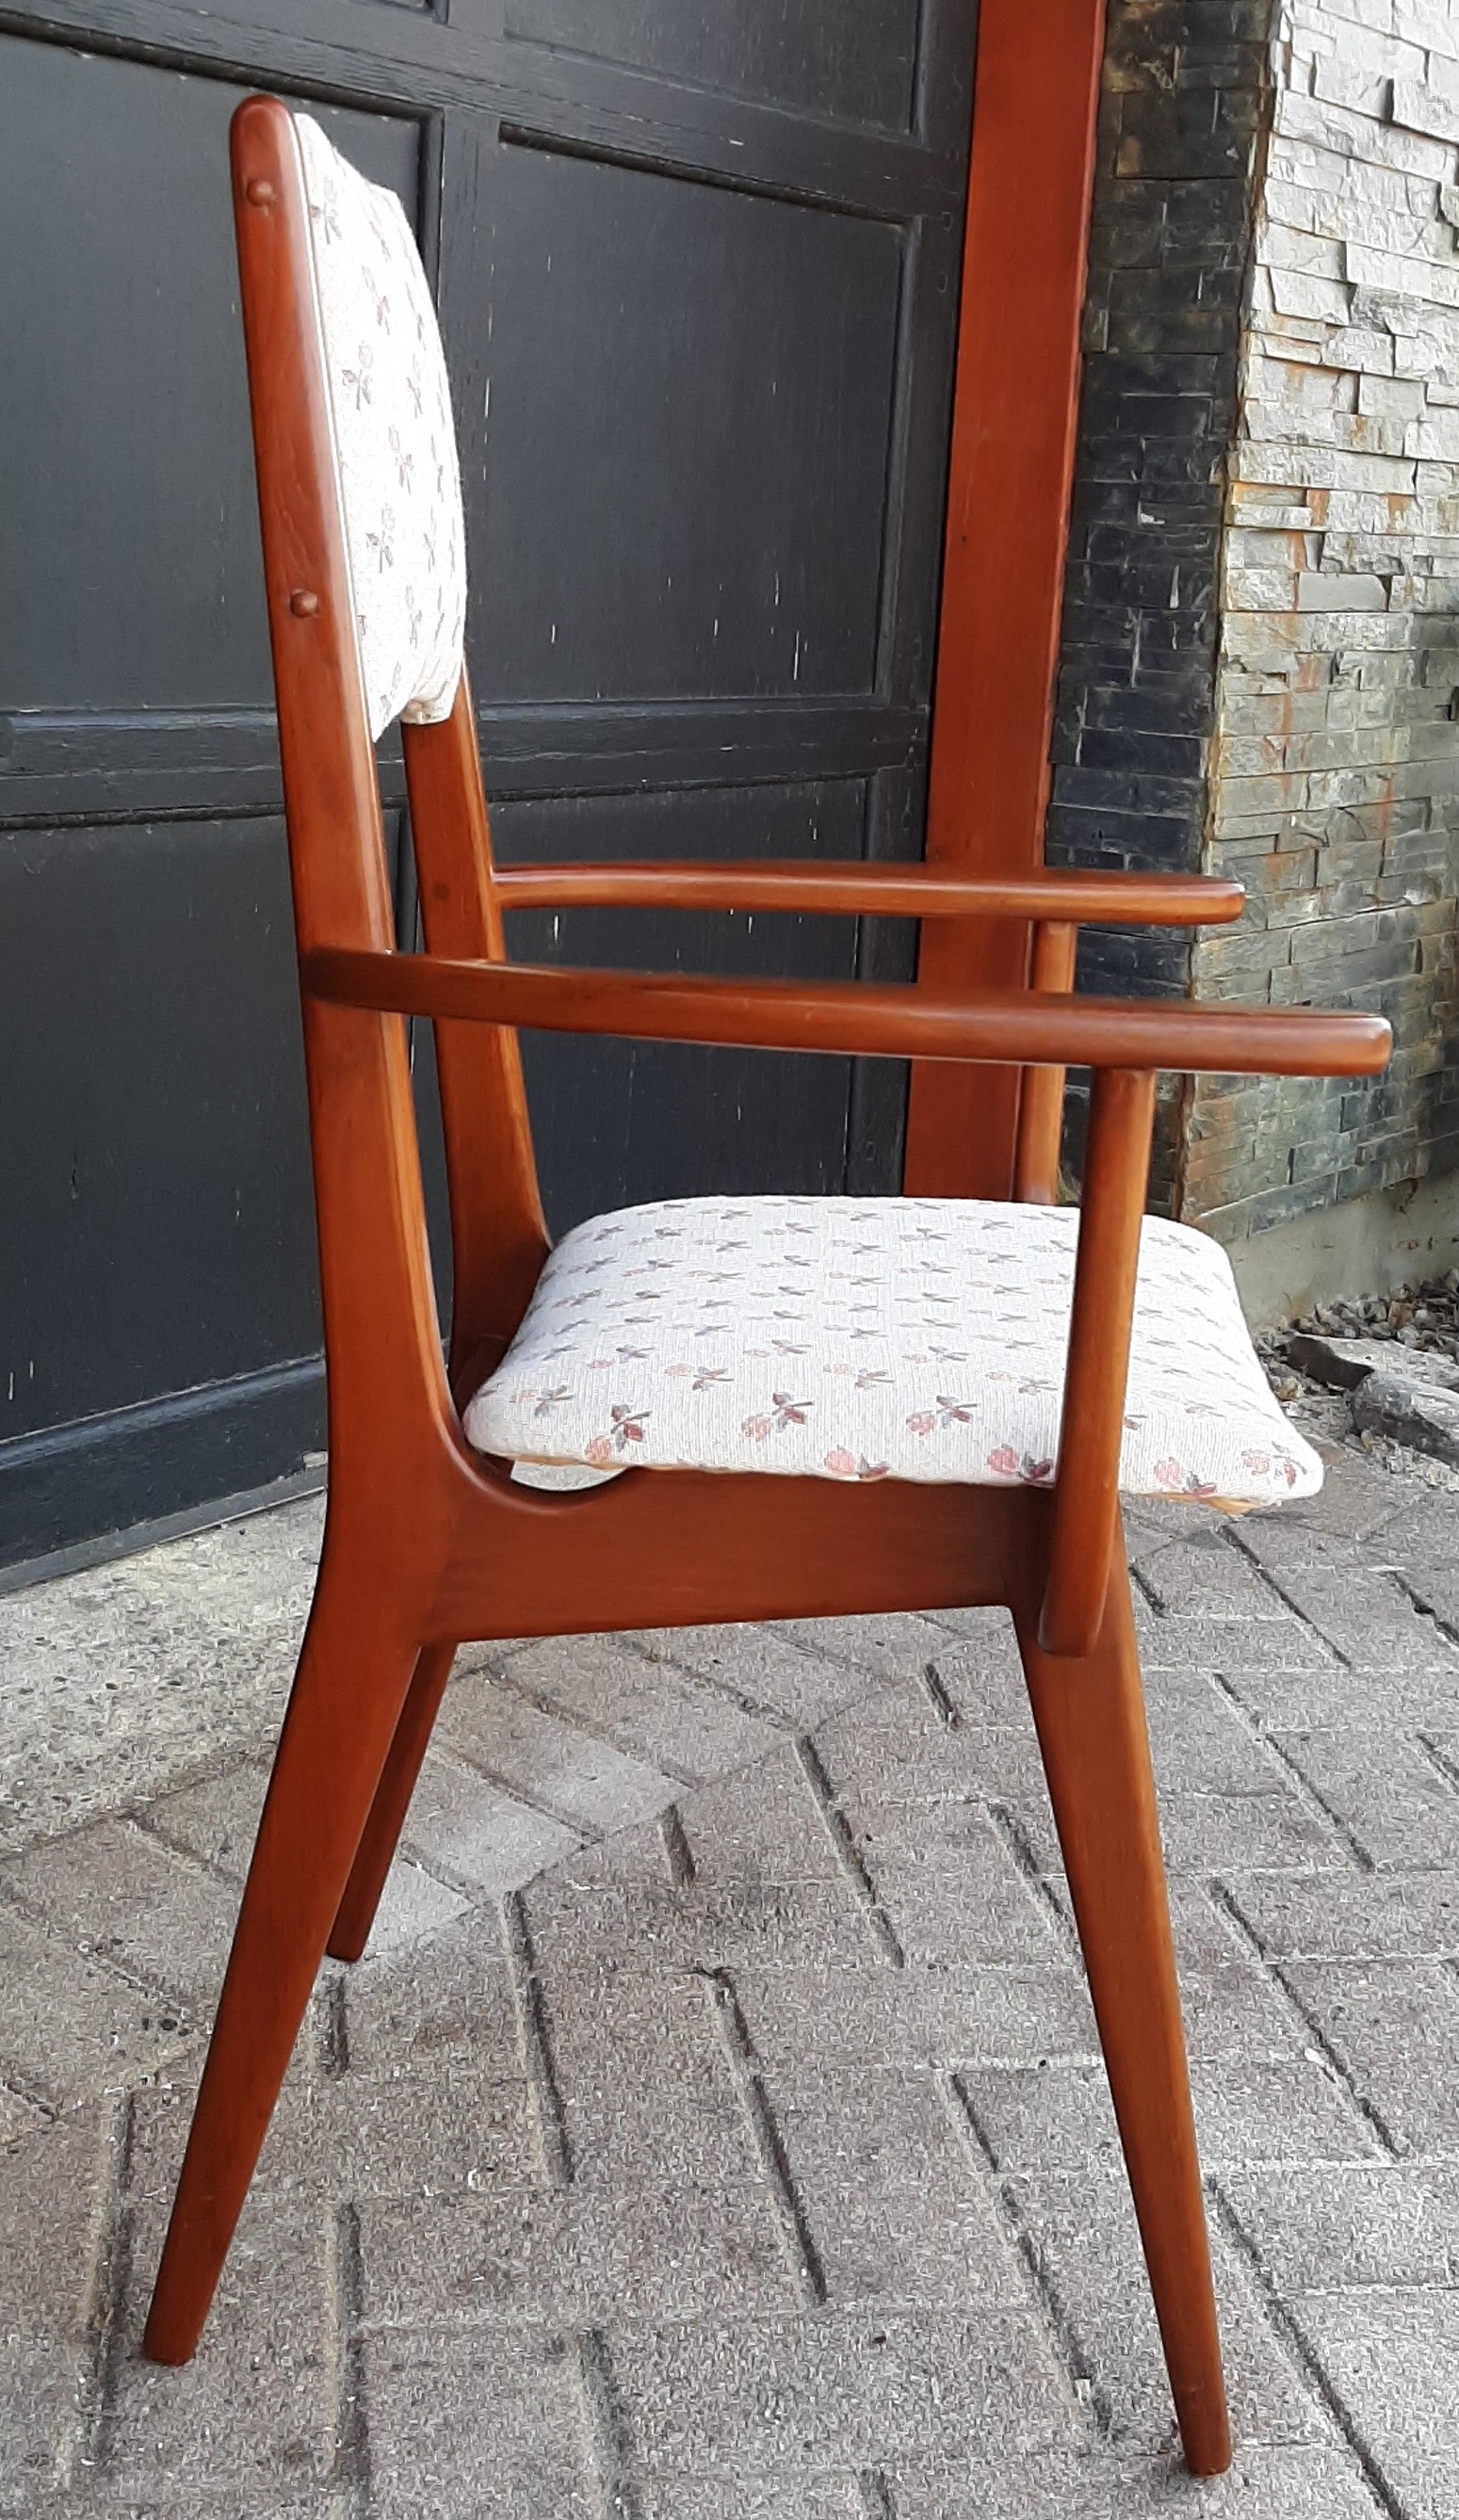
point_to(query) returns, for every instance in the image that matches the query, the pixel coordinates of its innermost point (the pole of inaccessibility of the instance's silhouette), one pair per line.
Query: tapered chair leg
(381, 1834)
(352, 1677)
(1090, 1717)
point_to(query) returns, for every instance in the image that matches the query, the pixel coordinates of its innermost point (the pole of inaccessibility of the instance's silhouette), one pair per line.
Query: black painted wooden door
(696, 262)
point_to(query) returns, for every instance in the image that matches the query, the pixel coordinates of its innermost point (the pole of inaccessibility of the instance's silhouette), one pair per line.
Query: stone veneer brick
(1260, 667)
(1335, 788)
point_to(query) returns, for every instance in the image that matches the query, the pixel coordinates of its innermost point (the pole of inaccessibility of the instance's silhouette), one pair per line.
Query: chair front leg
(346, 1703)
(1090, 1716)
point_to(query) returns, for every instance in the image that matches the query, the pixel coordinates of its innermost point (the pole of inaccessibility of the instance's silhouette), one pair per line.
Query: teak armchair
(430, 1541)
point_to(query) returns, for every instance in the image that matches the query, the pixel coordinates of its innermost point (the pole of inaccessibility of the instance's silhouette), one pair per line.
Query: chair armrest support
(1006, 1027)
(1035, 1167)
(1086, 1491)
(853, 888)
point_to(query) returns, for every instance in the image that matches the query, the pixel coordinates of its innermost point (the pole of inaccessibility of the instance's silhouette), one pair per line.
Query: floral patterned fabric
(394, 439)
(904, 1338)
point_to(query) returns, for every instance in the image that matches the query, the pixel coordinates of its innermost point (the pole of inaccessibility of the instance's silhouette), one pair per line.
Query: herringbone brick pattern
(716, 2131)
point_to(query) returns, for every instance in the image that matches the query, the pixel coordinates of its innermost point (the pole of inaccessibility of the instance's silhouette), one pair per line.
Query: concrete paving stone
(946, 1840)
(18, 2117)
(1322, 1916)
(255, 2409)
(897, 2204)
(1394, 1801)
(652, 1713)
(120, 1896)
(1385, 1792)
(1231, 2005)
(1395, 2027)
(469, 1829)
(731, 1925)
(1429, 1567)
(789, 1685)
(1408, 1700)
(1367, 1619)
(1230, 1647)
(53, 2192)
(110, 1679)
(321, 2502)
(570, 2258)
(1032, 2117)
(1232, 2013)
(1357, 1502)
(894, 1647)
(980, 1675)
(482, 2425)
(1320, 2229)
(69, 2026)
(1199, 1575)
(891, 2123)
(440, 2125)
(1083, 2227)
(1202, 1832)
(919, 2017)
(162, 2114)
(453, 1988)
(1200, 1742)
(40, 2384)
(217, 1819)
(412, 1905)
(629, 1856)
(832, 2387)
(750, 2497)
(542, 1759)
(1392, 2357)
(980, 1909)
(1280, 2483)
(643, 2076)
(763, 1824)
(874, 1757)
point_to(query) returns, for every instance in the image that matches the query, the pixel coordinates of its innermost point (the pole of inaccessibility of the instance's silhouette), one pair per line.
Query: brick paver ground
(717, 2130)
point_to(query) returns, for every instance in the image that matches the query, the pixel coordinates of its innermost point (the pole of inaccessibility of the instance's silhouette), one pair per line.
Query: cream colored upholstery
(394, 439)
(875, 1338)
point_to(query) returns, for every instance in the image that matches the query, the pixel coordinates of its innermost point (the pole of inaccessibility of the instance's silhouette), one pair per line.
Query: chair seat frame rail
(427, 1544)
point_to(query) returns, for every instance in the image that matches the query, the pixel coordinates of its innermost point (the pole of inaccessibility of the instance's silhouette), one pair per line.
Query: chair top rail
(888, 891)
(1008, 1027)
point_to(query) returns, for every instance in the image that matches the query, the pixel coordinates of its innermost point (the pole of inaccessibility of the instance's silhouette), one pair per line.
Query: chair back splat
(953, 1394)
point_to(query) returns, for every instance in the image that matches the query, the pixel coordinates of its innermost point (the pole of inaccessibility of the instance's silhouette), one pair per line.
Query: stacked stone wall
(1334, 786)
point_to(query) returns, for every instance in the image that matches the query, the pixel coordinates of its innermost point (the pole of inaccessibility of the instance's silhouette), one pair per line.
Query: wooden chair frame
(427, 1544)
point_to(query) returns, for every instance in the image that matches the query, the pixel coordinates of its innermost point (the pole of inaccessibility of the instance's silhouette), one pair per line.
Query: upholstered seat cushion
(905, 1339)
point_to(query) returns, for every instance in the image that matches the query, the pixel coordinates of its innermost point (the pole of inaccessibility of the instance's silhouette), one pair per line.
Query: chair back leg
(353, 1677)
(350, 1931)
(1089, 1713)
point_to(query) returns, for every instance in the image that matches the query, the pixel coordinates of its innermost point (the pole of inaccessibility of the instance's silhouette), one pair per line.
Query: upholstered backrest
(399, 479)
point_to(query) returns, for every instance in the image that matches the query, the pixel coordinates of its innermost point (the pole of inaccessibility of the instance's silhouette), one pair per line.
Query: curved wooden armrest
(881, 891)
(1011, 1027)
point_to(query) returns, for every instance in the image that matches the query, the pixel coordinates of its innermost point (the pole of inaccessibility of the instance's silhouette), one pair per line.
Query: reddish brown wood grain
(1035, 1172)
(1090, 1719)
(1086, 1488)
(885, 891)
(888, 1022)
(1012, 459)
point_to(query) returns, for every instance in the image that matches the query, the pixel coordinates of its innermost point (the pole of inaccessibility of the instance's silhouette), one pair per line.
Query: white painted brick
(1390, 398)
(1403, 275)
